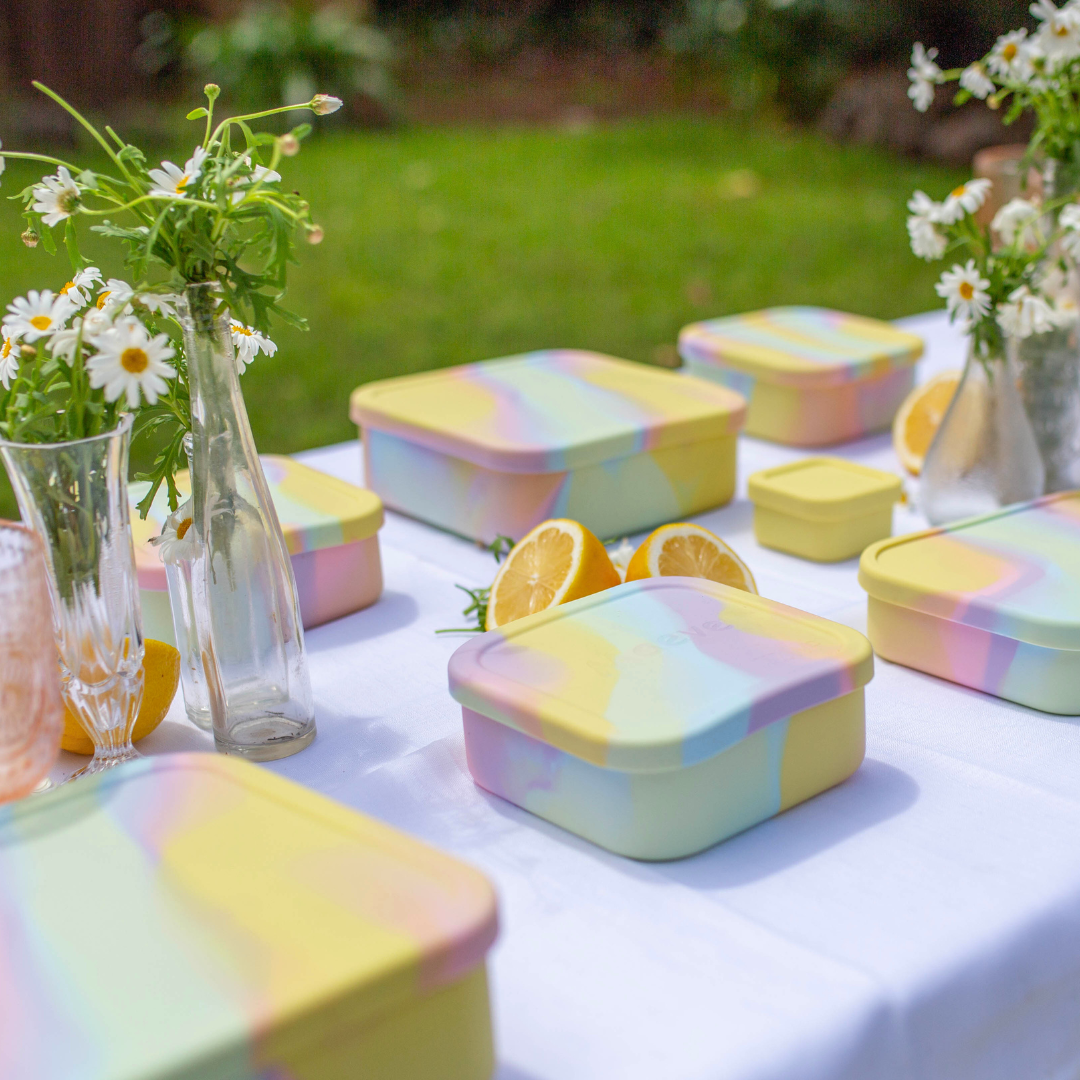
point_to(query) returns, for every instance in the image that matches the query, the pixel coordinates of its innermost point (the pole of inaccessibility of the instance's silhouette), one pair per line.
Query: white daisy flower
(621, 556)
(975, 81)
(177, 542)
(38, 314)
(64, 342)
(78, 288)
(95, 323)
(924, 75)
(1010, 57)
(965, 199)
(173, 181)
(1025, 313)
(248, 343)
(130, 362)
(1018, 217)
(57, 197)
(1069, 220)
(159, 303)
(1060, 292)
(1058, 39)
(9, 356)
(927, 241)
(963, 289)
(259, 175)
(114, 296)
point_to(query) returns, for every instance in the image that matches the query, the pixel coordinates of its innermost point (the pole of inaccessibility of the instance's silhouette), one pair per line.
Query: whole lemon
(161, 676)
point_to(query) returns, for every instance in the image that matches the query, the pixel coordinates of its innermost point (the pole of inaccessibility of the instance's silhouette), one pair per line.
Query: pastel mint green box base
(612, 498)
(675, 812)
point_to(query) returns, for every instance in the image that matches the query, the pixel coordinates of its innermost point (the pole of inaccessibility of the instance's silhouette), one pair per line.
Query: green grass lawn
(456, 244)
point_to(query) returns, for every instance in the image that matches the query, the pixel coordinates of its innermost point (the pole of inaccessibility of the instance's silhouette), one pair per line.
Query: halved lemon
(919, 417)
(689, 551)
(558, 561)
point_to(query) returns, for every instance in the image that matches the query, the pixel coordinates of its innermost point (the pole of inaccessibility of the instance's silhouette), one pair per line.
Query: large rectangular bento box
(195, 916)
(811, 376)
(661, 716)
(992, 602)
(496, 447)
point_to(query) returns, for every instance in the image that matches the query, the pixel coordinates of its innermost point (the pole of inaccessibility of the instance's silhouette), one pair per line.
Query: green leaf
(196, 114)
(47, 240)
(71, 242)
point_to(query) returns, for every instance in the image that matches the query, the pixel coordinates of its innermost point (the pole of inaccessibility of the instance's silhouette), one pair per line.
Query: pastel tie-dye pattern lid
(1014, 573)
(316, 511)
(801, 346)
(548, 411)
(181, 915)
(658, 673)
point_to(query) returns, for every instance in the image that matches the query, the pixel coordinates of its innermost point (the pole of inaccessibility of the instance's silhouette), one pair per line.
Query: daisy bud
(28, 350)
(211, 90)
(289, 145)
(30, 238)
(324, 104)
(315, 234)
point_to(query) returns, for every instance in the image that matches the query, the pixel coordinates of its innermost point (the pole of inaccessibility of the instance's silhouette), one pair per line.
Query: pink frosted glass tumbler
(31, 709)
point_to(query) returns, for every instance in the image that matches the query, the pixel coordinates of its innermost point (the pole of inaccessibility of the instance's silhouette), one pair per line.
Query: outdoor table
(922, 920)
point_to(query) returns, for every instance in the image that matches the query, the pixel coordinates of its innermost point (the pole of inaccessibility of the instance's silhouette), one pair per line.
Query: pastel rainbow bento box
(193, 915)
(661, 716)
(330, 528)
(497, 447)
(992, 602)
(811, 376)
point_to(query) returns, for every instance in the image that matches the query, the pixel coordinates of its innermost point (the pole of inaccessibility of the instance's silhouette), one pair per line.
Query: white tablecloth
(920, 921)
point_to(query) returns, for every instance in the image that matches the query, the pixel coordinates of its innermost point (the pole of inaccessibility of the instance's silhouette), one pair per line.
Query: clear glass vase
(246, 612)
(984, 455)
(75, 495)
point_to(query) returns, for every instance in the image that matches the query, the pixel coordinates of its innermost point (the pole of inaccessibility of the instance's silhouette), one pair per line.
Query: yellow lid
(824, 489)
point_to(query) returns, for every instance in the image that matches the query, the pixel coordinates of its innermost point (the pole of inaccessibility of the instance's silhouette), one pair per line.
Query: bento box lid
(658, 673)
(1015, 572)
(824, 489)
(801, 346)
(172, 916)
(316, 511)
(548, 411)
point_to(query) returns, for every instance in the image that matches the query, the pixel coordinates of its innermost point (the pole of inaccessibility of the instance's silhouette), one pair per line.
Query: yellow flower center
(242, 330)
(5, 351)
(1008, 54)
(1061, 30)
(102, 298)
(957, 192)
(41, 322)
(966, 290)
(134, 360)
(182, 183)
(67, 288)
(182, 528)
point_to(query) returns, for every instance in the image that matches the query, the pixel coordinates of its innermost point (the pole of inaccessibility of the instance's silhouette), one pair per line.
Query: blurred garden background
(510, 176)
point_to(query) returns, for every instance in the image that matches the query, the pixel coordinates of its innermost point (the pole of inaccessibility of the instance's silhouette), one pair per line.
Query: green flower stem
(255, 116)
(85, 123)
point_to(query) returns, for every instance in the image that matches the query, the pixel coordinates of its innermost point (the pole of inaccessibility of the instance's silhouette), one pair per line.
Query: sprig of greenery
(479, 599)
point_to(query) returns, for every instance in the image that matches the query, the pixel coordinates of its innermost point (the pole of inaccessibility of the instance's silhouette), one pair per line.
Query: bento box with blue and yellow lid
(331, 532)
(812, 376)
(194, 915)
(991, 602)
(494, 448)
(661, 716)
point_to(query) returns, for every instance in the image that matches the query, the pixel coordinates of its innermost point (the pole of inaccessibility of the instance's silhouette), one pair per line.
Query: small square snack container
(331, 530)
(823, 508)
(496, 447)
(992, 602)
(811, 376)
(663, 715)
(194, 915)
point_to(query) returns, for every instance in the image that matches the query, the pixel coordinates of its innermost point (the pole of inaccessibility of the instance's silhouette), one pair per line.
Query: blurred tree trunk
(80, 48)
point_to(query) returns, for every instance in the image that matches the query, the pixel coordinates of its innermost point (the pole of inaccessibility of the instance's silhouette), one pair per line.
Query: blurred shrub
(287, 52)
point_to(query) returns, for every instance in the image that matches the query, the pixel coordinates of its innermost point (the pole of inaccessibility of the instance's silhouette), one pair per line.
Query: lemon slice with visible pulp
(689, 551)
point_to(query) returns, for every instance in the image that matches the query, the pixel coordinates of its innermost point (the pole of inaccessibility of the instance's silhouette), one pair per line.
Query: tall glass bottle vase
(74, 494)
(984, 455)
(1049, 363)
(247, 616)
